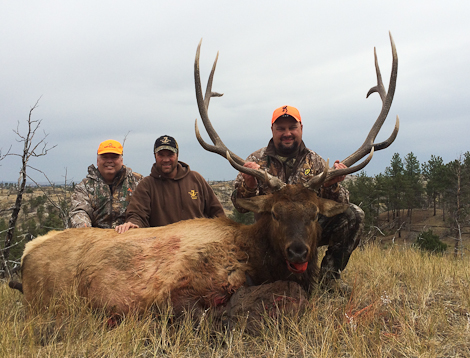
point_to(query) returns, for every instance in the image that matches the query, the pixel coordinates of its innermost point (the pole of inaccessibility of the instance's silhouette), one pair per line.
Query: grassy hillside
(404, 304)
(420, 220)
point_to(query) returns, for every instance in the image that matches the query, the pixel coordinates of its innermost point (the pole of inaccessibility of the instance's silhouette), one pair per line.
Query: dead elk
(191, 264)
(201, 262)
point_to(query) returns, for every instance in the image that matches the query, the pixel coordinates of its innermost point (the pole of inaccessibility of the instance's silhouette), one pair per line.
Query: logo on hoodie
(193, 194)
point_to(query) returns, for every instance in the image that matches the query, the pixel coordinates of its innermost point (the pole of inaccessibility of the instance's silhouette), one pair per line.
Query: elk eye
(274, 215)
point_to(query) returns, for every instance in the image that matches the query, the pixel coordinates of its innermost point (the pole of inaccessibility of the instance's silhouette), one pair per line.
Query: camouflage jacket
(97, 204)
(294, 170)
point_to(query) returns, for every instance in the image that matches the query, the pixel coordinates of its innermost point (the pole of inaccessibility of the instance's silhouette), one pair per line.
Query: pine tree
(434, 175)
(362, 192)
(395, 183)
(246, 218)
(413, 186)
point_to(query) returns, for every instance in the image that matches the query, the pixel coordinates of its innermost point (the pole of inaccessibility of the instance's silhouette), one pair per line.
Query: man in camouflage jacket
(287, 158)
(101, 199)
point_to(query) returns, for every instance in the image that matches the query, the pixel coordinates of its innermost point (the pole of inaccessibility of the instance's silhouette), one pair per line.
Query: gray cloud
(106, 68)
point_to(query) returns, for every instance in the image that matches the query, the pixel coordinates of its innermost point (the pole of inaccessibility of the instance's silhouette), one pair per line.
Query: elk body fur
(188, 263)
(194, 263)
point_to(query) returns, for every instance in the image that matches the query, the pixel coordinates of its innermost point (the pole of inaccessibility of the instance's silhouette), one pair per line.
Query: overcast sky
(103, 69)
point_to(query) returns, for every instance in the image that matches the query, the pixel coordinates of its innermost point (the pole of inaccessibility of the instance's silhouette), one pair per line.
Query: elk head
(291, 216)
(292, 208)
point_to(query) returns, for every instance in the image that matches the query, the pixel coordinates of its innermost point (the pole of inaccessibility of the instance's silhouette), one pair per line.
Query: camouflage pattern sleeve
(241, 190)
(137, 178)
(81, 209)
(335, 192)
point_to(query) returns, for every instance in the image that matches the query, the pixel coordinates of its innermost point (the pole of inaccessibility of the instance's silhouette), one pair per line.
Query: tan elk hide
(187, 263)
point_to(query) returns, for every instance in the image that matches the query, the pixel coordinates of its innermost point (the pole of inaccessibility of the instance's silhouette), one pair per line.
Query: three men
(101, 199)
(172, 192)
(287, 158)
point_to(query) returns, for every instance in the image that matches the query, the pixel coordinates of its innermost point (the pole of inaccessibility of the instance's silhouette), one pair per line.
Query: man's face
(166, 161)
(287, 135)
(109, 164)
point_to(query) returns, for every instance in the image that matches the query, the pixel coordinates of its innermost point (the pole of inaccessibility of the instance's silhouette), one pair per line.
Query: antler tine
(333, 173)
(209, 93)
(380, 89)
(273, 182)
(318, 180)
(203, 105)
(386, 143)
(387, 98)
(328, 173)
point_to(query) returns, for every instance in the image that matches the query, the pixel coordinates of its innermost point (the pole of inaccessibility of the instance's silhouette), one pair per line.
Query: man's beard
(287, 151)
(168, 173)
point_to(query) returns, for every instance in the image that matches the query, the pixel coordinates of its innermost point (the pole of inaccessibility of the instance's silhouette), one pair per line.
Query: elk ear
(331, 208)
(256, 204)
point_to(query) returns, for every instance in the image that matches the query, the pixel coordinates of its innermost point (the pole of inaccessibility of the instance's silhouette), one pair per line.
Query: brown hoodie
(159, 201)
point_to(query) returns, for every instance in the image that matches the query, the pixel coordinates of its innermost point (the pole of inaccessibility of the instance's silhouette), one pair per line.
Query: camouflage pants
(342, 235)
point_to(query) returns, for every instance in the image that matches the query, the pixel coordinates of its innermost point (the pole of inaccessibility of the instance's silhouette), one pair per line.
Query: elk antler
(219, 147)
(369, 146)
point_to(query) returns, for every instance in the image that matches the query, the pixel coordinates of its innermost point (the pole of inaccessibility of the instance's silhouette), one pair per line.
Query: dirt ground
(421, 220)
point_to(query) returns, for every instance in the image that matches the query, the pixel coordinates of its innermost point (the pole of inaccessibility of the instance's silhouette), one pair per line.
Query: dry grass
(404, 304)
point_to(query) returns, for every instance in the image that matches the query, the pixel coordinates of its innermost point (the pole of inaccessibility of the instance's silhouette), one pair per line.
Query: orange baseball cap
(286, 111)
(110, 146)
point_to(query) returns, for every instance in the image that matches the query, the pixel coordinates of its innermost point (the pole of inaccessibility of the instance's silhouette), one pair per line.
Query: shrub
(427, 241)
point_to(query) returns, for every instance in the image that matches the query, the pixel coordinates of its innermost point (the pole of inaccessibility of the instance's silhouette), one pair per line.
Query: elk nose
(297, 252)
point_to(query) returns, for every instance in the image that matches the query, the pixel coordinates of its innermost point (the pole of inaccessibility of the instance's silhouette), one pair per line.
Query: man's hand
(336, 165)
(126, 226)
(250, 181)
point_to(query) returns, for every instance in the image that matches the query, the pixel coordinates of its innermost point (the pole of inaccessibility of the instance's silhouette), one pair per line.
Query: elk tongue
(297, 268)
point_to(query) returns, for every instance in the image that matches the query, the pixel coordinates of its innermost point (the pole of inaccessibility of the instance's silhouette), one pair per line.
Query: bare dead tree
(31, 149)
(3, 156)
(124, 140)
(398, 231)
(14, 263)
(458, 248)
(370, 236)
(457, 216)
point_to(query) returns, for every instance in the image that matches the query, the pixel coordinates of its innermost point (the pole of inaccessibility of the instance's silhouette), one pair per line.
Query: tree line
(406, 185)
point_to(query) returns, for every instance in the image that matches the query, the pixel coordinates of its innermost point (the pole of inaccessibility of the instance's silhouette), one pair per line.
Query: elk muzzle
(297, 254)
